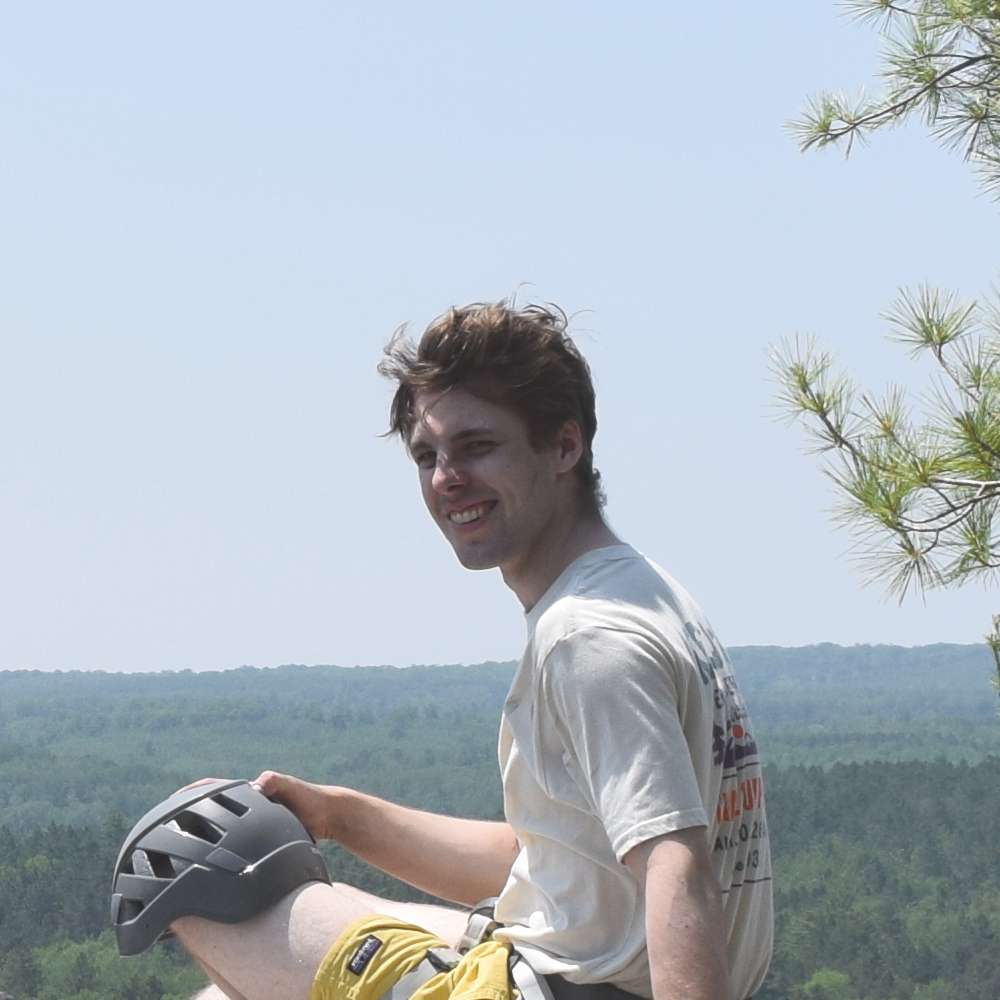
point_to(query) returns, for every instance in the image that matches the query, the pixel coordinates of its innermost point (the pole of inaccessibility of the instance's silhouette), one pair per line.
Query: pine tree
(921, 496)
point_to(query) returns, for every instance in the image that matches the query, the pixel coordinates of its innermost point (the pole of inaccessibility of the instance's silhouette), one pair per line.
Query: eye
(481, 447)
(424, 458)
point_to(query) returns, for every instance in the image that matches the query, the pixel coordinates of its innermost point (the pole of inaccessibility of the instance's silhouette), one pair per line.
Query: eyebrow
(469, 432)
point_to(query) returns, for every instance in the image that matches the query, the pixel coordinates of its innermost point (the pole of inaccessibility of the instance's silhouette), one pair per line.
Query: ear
(568, 446)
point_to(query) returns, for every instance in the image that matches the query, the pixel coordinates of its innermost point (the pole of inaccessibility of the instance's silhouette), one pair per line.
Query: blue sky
(215, 215)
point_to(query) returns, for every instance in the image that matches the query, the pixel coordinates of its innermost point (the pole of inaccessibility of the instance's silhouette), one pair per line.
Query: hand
(311, 803)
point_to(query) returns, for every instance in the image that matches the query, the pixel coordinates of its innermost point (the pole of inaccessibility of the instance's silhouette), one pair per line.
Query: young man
(635, 851)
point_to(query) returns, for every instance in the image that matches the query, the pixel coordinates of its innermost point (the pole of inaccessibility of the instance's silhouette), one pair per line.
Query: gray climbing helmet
(222, 850)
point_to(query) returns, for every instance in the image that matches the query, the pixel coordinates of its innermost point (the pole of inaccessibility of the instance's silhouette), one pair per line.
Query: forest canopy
(882, 767)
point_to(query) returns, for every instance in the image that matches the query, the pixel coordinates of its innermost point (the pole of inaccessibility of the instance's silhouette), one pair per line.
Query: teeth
(465, 516)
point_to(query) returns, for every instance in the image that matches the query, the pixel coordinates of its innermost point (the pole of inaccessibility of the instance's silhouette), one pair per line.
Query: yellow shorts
(374, 953)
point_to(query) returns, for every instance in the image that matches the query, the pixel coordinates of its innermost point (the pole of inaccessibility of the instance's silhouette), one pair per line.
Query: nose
(447, 475)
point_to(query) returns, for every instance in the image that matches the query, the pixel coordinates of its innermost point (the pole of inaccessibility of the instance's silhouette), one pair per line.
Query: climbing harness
(530, 985)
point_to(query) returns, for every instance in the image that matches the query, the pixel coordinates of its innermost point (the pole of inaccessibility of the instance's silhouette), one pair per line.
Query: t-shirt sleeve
(615, 699)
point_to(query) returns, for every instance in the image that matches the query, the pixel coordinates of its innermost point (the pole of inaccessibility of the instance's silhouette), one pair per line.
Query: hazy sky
(214, 215)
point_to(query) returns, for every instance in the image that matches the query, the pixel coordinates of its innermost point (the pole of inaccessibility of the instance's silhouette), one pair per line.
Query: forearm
(462, 860)
(685, 939)
(687, 949)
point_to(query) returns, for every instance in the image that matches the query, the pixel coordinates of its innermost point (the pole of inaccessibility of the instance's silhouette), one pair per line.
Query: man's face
(490, 492)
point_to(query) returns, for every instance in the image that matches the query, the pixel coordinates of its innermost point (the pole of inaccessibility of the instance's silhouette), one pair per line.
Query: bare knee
(277, 952)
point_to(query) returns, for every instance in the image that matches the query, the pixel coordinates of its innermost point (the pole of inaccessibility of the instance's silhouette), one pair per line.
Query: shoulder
(601, 663)
(612, 600)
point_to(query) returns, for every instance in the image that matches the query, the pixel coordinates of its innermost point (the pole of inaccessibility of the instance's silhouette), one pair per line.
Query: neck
(561, 545)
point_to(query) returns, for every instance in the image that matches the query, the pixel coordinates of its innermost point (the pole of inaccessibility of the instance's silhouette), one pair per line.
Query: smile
(470, 514)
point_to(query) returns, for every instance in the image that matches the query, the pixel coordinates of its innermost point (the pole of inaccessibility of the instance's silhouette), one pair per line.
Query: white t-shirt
(624, 722)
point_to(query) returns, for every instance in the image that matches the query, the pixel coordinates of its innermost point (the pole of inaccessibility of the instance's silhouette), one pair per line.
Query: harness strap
(480, 928)
(529, 983)
(436, 960)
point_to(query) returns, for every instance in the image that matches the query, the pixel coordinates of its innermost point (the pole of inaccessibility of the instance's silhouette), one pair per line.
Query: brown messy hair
(521, 358)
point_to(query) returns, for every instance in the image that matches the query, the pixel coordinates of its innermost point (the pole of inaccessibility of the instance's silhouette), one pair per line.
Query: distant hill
(76, 743)
(816, 704)
(942, 678)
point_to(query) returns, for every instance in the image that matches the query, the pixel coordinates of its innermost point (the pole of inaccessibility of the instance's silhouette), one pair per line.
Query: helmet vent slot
(128, 910)
(236, 808)
(160, 864)
(198, 826)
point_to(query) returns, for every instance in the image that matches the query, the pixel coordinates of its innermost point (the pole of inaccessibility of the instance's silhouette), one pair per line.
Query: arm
(684, 921)
(462, 860)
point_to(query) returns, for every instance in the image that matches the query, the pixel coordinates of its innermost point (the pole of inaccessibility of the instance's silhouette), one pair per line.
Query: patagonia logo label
(364, 954)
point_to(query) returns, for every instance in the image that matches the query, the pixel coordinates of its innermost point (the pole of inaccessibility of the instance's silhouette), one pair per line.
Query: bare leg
(446, 922)
(277, 953)
(219, 990)
(210, 993)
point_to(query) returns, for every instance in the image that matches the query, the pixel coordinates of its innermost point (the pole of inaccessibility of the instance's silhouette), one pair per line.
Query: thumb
(269, 782)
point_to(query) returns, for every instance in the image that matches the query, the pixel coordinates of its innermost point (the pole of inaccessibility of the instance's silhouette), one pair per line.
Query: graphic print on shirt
(733, 743)
(741, 846)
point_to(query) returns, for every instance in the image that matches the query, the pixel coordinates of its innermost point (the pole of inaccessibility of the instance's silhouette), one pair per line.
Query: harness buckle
(480, 926)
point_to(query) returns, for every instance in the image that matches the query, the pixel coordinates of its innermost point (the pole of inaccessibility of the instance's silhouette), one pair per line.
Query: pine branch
(902, 106)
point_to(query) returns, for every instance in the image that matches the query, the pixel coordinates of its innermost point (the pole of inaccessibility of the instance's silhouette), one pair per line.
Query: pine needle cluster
(941, 63)
(921, 495)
